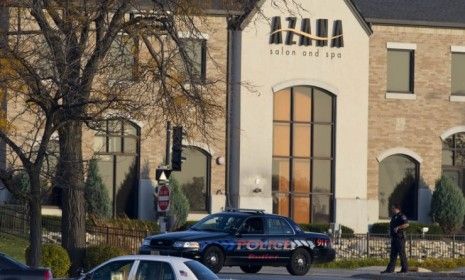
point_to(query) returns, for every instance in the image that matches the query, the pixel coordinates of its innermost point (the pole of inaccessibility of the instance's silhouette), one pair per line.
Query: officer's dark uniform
(397, 243)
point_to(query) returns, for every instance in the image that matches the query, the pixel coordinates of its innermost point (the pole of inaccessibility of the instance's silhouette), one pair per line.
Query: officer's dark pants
(397, 248)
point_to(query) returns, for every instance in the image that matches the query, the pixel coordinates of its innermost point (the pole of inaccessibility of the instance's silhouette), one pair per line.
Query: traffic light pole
(162, 216)
(168, 144)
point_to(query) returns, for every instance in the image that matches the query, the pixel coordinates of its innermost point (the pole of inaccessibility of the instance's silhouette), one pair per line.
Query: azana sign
(303, 36)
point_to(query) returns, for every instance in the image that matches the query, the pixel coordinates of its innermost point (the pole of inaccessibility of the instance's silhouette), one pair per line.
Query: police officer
(397, 228)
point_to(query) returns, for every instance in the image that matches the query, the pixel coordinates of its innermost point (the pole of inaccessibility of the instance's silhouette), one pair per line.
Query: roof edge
(358, 15)
(246, 20)
(248, 17)
(417, 23)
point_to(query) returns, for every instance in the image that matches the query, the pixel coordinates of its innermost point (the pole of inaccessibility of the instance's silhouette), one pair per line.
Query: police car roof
(245, 211)
(249, 212)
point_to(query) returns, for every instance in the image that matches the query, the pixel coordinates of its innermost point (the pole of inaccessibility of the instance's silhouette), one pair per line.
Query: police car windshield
(219, 223)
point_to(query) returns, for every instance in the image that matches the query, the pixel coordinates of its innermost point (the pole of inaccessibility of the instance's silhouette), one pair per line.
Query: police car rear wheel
(300, 262)
(213, 258)
(251, 268)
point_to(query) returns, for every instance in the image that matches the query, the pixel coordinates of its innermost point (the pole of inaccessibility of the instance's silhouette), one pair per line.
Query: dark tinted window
(200, 271)
(398, 183)
(153, 270)
(253, 226)
(219, 223)
(278, 226)
(114, 270)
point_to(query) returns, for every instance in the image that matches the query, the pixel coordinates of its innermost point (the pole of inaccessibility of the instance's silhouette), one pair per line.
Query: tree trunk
(35, 223)
(70, 177)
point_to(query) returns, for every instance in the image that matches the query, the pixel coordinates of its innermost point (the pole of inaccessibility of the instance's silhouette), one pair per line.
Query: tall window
(194, 178)
(458, 73)
(196, 50)
(453, 159)
(123, 58)
(303, 154)
(400, 70)
(398, 183)
(116, 148)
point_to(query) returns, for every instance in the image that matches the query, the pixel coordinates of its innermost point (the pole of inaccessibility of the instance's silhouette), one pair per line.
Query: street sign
(163, 202)
(162, 174)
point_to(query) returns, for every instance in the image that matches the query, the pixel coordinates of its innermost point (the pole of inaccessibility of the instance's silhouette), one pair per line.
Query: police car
(249, 239)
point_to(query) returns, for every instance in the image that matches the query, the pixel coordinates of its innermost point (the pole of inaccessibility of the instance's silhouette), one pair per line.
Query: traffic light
(176, 151)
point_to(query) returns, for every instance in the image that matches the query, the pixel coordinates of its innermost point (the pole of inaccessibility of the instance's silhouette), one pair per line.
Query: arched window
(116, 148)
(194, 178)
(398, 183)
(453, 158)
(303, 154)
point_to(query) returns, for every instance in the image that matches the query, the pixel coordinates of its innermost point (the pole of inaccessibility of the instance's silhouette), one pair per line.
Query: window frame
(283, 221)
(291, 195)
(202, 76)
(241, 228)
(417, 187)
(460, 169)
(107, 134)
(132, 271)
(139, 262)
(461, 51)
(411, 78)
(208, 178)
(135, 55)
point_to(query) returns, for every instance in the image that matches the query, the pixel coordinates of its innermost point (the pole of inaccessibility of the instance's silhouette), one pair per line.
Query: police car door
(250, 241)
(280, 239)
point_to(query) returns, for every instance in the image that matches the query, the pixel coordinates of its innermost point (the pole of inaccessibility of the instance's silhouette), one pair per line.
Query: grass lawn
(430, 263)
(13, 246)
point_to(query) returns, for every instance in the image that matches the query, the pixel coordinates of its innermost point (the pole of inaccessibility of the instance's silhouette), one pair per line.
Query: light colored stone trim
(452, 131)
(401, 46)
(187, 35)
(457, 98)
(305, 82)
(402, 151)
(200, 145)
(457, 49)
(403, 96)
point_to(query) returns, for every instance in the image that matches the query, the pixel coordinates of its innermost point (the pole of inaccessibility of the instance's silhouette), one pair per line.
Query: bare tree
(62, 67)
(65, 65)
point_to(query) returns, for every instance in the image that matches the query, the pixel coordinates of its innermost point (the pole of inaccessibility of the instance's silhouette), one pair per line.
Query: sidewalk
(374, 273)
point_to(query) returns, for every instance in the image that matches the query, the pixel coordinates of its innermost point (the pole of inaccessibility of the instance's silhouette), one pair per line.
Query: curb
(412, 275)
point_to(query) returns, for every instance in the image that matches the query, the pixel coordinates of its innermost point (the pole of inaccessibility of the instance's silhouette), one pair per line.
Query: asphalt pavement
(371, 273)
(280, 273)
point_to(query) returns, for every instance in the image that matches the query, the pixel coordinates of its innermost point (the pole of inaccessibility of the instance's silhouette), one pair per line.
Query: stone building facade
(332, 111)
(415, 125)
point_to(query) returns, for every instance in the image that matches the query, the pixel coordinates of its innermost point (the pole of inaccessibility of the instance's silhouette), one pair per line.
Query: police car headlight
(146, 242)
(186, 245)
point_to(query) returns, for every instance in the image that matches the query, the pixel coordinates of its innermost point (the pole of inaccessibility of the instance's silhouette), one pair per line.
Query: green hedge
(414, 228)
(126, 224)
(323, 228)
(96, 255)
(56, 258)
(53, 223)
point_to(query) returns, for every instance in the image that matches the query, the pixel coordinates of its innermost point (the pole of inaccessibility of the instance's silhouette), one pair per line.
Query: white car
(150, 268)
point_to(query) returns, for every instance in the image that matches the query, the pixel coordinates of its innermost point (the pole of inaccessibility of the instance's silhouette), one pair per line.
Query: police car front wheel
(251, 268)
(300, 262)
(213, 258)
